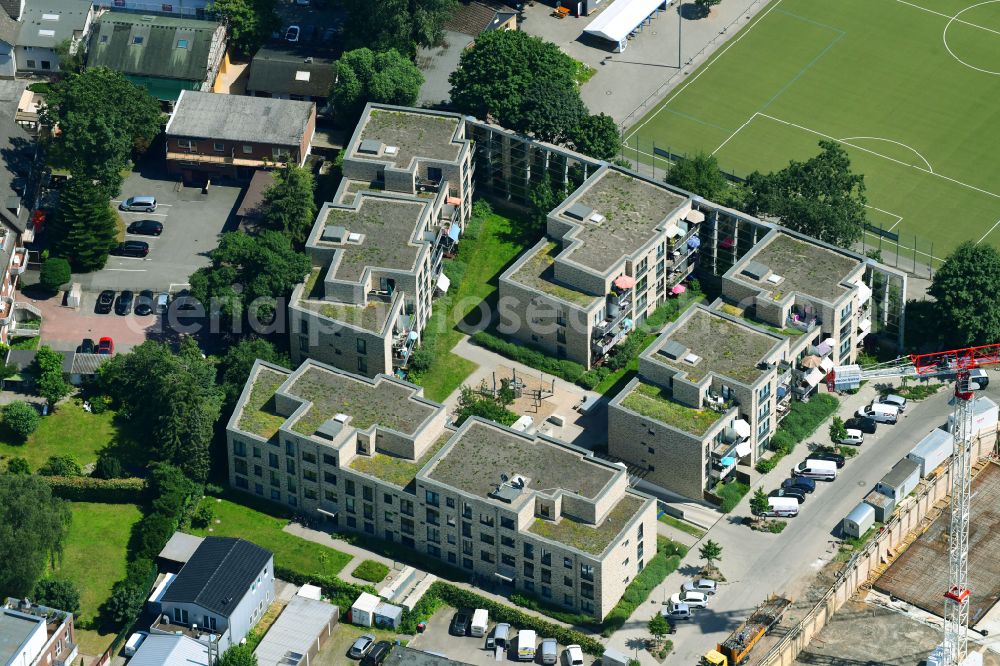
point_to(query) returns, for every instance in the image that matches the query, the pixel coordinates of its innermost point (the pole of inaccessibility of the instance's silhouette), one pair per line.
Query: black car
(132, 249)
(800, 482)
(105, 301)
(832, 457)
(146, 228)
(86, 347)
(862, 423)
(797, 493)
(185, 302)
(123, 304)
(460, 623)
(144, 304)
(377, 654)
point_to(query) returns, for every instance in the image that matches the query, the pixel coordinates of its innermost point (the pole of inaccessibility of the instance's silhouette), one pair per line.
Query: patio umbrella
(678, 289)
(811, 361)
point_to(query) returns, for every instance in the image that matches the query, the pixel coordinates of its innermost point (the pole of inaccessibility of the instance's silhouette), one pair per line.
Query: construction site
(919, 576)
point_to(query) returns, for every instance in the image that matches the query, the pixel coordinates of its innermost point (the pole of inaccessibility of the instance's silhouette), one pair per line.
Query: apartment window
(349, 504)
(845, 347)
(546, 575)
(137, 40)
(329, 496)
(450, 520)
(467, 562)
(567, 581)
(247, 149)
(239, 448)
(185, 143)
(329, 460)
(330, 477)
(240, 465)
(290, 465)
(292, 485)
(363, 366)
(847, 310)
(639, 533)
(274, 479)
(279, 153)
(486, 538)
(272, 460)
(218, 146)
(256, 452)
(433, 550)
(432, 498)
(433, 534)
(362, 346)
(529, 586)
(466, 547)
(546, 557)
(433, 517)
(367, 493)
(587, 571)
(258, 471)
(467, 511)
(369, 528)
(387, 498)
(390, 516)
(369, 511)
(560, 319)
(485, 519)
(290, 448)
(349, 487)
(352, 522)
(764, 394)
(104, 39)
(567, 563)
(487, 556)
(568, 599)
(452, 558)
(507, 541)
(561, 336)
(406, 525)
(309, 493)
(275, 494)
(406, 507)
(241, 482)
(507, 560)
(449, 502)
(529, 551)
(506, 523)
(587, 606)
(546, 592)
(587, 590)
(309, 457)
(31, 64)
(529, 570)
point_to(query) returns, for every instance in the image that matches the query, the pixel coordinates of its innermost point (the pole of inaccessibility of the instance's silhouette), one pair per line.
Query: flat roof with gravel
(632, 210)
(720, 346)
(386, 227)
(414, 135)
(384, 402)
(806, 268)
(536, 272)
(476, 458)
(370, 317)
(593, 539)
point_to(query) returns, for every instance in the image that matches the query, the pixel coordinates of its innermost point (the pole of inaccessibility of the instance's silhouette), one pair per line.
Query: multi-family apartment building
(378, 248)
(34, 635)
(614, 250)
(373, 455)
(706, 397)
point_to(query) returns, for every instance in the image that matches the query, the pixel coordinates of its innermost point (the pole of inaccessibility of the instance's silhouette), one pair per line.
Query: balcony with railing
(603, 344)
(19, 261)
(619, 307)
(732, 444)
(803, 321)
(403, 342)
(427, 185)
(6, 310)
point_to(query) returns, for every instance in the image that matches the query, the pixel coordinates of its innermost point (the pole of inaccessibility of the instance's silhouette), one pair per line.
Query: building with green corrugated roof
(164, 54)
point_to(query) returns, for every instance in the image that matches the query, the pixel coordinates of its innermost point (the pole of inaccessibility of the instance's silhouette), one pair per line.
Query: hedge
(667, 559)
(553, 611)
(91, 489)
(461, 598)
(340, 592)
(571, 371)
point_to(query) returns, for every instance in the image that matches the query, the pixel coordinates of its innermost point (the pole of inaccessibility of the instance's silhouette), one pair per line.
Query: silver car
(361, 646)
(703, 585)
(549, 650)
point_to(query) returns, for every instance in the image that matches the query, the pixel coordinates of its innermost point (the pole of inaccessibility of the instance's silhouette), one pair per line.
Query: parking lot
(192, 224)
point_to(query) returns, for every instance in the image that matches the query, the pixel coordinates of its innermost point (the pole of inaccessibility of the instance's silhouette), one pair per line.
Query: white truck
(480, 621)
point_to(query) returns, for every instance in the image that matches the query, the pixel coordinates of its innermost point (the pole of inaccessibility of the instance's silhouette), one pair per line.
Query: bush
(371, 571)
(92, 489)
(54, 274)
(667, 559)
(339, 592)
(203, 515)
(60, 466)
(108, 466)
(60, 594)
(99, 404)
(731, 494)
(591, 378)
(561, 614)
(125, 602)
(18, 465)
(21, 418)
(765, 465)
(804, 417)
(783, 442)
(776, 526)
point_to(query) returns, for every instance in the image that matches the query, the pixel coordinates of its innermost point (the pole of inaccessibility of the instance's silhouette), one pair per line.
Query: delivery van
(480, 620)
(526, 645)
(821, 470)
(781, 507)
(880, 412)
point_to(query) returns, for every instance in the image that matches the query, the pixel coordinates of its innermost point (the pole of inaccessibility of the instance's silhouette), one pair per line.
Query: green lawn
(490, 244)
(94, 559)
(886, 79)
(67, 431)
(681, 525)
(239, 520)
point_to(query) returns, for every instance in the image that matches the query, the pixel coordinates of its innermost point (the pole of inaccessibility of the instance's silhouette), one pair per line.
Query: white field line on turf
(898, 143)
(704, 68)
(899, 218)
(949, 16)
(735, 133)
(988, 232)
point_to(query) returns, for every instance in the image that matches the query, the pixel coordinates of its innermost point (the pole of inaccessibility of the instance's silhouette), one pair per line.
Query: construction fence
(874, 558)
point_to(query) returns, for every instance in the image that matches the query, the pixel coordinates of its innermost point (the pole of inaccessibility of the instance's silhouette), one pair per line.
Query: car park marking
(129, 270)
(139, 212)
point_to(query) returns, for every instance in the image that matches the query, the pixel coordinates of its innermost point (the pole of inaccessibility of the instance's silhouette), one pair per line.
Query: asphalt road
(757, 564)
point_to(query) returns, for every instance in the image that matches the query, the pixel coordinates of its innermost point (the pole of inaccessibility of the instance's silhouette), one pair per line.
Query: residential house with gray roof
(213, 135)
(289, 73)
(163, 54)
(8, 40)
(45, 24)
(527, 512)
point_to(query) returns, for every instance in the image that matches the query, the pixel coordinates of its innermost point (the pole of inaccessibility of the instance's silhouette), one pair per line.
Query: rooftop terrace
(632, 209)
(655, 403)
(589, 538)
(386, 226)
(807, 268)
(536, 272)
(415, 135)
(395, 470)
(259, 415)
(386, 403)
(370, 317)
(725, 348)
(475, 460)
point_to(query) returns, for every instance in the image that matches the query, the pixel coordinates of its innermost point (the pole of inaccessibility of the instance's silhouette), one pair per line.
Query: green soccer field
(911, 89)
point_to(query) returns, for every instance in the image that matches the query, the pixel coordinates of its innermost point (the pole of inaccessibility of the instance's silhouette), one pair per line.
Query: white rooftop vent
(341, 418)
(302, 76)
(46, 33)
(50, 17)
(391, 150)
(775, 279)
(692, 359)
(353, 237)
(597, 218)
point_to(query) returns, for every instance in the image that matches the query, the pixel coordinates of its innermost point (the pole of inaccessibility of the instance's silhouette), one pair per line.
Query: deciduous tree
(59, 594)
(658, 626)
(598, 136)
(820, 197)
(33, 526)
(550, 110)
(47, 371)
(363, 76)
(84, 228)
(473, 403)
(758, 503)
(711, 552)
(699, 174)
(289, 206)
(21, 418)
(966, 295)
(250, 22)
(837, 429)
(234, 366)
(238, 655)
(398, 24)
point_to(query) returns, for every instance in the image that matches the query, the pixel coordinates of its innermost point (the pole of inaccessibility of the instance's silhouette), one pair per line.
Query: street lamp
(680, 23)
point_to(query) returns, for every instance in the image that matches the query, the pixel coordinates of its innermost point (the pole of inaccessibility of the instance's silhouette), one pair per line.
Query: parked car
(692, 599)
(676, 612)
(897, 401)
(132, 249)
(377, 654)
(460, 623)
(144, 303)
(803, 483)
(853, 437)
(105, 301)
(143, 204)
(549, 649)
(835, 458)
(86, 347)
(703, 585)
(361, 646)
(160, 305)
(880, 412)
(572, 656)
(812, 468)
(184, 301)
(862, 423)
(794, 492)
(146, 228)
(106, 346)
(292, 35)
(123, 304)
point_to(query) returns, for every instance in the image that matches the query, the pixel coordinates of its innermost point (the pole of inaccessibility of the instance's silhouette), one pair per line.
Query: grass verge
(678, 524)
(371, 571)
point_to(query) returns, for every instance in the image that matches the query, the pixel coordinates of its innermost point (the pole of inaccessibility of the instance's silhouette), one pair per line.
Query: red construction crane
(957, 363)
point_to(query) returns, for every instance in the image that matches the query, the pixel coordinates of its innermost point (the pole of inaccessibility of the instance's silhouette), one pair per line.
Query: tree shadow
(692, 11)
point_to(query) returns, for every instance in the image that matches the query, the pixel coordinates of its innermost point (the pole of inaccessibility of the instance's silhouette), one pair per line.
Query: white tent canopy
(617, 21)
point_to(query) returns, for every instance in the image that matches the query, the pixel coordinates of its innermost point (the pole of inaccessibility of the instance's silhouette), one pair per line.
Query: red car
(105, 346)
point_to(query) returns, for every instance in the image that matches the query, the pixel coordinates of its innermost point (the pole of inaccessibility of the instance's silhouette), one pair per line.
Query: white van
(501, 634)
(480, 620)
(133, 643)
(781, 507)
(822, 470)
(613, 657)
(526, 640)
(880, 412)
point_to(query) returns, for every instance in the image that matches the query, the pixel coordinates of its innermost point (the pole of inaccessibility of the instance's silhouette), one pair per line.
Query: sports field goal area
(910, 89)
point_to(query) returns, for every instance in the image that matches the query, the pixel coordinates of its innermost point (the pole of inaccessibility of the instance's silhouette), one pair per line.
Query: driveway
(192, 225)
(757, 564)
